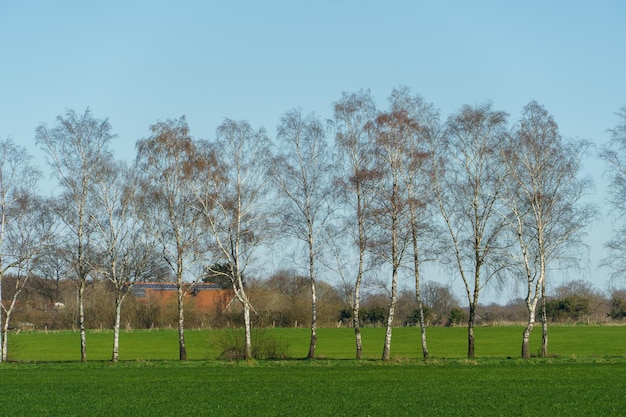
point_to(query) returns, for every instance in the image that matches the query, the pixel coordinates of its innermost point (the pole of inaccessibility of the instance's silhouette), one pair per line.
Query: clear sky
(136, 62)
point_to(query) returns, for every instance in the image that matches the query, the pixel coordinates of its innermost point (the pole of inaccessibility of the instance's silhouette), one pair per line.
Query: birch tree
(421, 125)
(468, 184)
(77, 148)
(354, 141)
(167, 163)
(18, 178)
(233, 203)
(127, 253)
(302, 174)
(614, 155)
(544, 195)
(390, 204)
(30, 234)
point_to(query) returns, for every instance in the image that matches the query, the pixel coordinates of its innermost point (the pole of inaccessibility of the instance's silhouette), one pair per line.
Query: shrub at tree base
(231, 345)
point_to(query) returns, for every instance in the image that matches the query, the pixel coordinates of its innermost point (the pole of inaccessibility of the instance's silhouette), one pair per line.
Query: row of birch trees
(487, 200)
(368, 195)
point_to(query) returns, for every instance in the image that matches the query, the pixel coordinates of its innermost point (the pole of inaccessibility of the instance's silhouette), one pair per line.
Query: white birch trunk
(116, 327)
(420, 306)
(81, 320)
(5, 339)
(5, 326)
(470, 331)
(471, 323)
(544, 323)
(181, 321)
(357, 286)
(418, 291)
(390, 316)
(355, 320)
(527, 330)
(248, 329)
(313, 343)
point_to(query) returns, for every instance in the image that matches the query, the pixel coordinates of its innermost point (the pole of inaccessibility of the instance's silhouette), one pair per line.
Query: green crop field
(315, 388)
(584, 376)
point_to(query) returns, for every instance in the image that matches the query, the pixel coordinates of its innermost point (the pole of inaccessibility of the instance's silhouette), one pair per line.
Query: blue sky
(136, 62)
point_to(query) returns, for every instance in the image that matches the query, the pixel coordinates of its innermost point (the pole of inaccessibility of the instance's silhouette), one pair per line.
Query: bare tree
(439, 299)
(233, 202)
(615, 157)
(422, 123)
(390, 206)
(127, 253)
(18, 178)
(468, 182)
(167, 162)
(77, 148)
(353, 114)
(302, 174)
(404, 198)
(544, 195)
(30, 233)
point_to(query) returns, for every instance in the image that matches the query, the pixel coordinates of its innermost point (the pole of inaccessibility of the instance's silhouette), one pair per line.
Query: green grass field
(443, 342)
(584, 377)
(317, 388)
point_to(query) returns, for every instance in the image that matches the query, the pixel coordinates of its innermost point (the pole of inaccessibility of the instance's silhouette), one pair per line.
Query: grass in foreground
(485, 387)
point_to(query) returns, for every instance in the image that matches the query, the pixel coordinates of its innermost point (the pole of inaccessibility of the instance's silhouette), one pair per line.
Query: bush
(231, 344)
(618, 305)
(456, 317)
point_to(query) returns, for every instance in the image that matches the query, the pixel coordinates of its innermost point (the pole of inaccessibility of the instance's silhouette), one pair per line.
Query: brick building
(206, 297)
